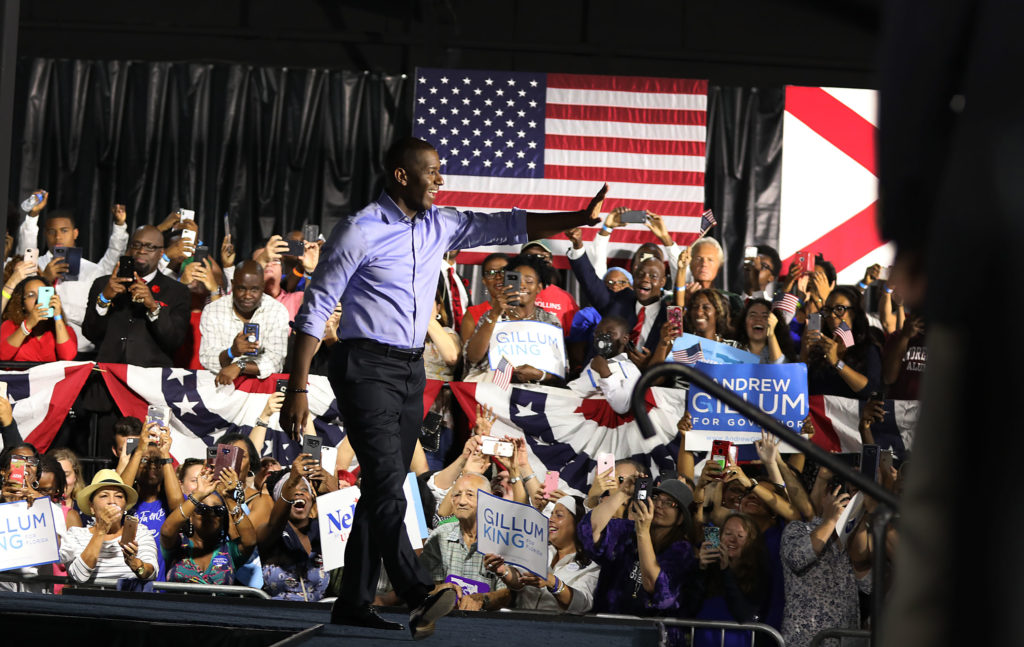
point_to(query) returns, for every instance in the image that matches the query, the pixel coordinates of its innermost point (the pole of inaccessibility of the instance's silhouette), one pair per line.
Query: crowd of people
(750, 542)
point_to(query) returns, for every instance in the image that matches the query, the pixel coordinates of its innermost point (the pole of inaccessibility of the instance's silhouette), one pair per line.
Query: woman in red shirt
(28, 334)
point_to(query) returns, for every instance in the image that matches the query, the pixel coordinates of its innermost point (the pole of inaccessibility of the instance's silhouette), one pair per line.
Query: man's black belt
(377, 348)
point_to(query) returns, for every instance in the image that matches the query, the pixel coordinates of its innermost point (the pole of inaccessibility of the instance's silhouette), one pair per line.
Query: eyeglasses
(493, 273)
(838, 311)
(612, 283)
(664, 501)
(148, 247)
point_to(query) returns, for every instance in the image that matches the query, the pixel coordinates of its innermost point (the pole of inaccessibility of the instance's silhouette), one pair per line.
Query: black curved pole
(758, 417)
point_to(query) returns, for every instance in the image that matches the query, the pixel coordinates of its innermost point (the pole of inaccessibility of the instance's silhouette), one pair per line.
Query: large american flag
(546, 142)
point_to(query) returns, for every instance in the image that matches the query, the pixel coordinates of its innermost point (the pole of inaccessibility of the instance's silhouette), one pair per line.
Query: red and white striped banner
(829, 179)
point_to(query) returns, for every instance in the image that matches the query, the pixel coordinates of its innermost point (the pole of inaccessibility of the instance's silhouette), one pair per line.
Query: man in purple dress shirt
(383, 263)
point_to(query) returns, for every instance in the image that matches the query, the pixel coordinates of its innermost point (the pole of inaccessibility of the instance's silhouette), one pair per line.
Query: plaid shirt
(219, 325)
(445, 553)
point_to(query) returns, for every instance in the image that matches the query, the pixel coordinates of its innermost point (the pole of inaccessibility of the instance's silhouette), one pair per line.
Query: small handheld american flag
(707, 221)
(689, 356)
(503, 373)
(844, 334)
(787, 303)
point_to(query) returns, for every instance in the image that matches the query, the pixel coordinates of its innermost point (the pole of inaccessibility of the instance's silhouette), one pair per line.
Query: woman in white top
(572, 576)
(96, 551)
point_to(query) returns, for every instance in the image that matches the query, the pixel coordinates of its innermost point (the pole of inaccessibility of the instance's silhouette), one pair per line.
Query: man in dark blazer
(644, 296)
(140, 320)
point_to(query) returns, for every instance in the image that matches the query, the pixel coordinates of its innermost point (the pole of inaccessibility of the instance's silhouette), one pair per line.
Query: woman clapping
(209, 536)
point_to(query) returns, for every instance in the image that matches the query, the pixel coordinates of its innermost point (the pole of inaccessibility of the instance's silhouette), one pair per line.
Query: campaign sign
(535, 343)
(779, 390)
(28, 536)
(714, 352)
(468, 586)
(337, 510)
(850, 518)
(516, 531)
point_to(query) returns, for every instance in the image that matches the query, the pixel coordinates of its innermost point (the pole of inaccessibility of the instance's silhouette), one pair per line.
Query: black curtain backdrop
(275, 148)
(743, 180)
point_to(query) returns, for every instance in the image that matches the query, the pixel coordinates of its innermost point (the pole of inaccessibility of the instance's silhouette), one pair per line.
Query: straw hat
(105, 478)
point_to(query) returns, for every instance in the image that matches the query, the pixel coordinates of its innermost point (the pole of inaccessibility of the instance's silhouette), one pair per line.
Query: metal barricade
(186, 588)
(722, 626)
(825, 634)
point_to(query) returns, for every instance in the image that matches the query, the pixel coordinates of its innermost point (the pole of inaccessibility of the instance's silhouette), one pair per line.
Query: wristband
(104, 300)
(887, 289)
(296, 272)
(862, 285)
(193, 500)
(526, 479)
(6, 293)
(167, 259)
(606, 229)
(285, 499)
(230, 354)
(25, 329)
(298, 390)
(58, 317)
(681, 288)
(261, 423)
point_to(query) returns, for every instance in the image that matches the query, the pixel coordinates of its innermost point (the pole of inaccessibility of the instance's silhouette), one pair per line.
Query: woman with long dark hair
(733, 581)
(209, 536)
(646, 559)
(29, 333)
(852, 368)
(572, 575)
(758, 332)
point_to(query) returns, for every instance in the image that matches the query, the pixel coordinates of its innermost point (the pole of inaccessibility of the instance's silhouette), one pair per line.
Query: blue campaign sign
(714, 352)
(779, 390)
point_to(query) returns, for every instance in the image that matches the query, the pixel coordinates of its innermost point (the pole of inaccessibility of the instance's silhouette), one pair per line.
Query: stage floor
(115, 619)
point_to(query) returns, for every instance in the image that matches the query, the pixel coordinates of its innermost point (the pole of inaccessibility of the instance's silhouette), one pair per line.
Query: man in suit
(640, 305)
(140, 320)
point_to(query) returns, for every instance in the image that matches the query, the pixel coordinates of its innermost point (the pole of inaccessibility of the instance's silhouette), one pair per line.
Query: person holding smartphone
(511, 306)
(68, 271)
(209, 536)
(732, 582)
(96, 552)
(646, 559)
(289, 543)
(151, 470)
(29, 332)
(833, 368)
(821, 579)
(225, 348)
